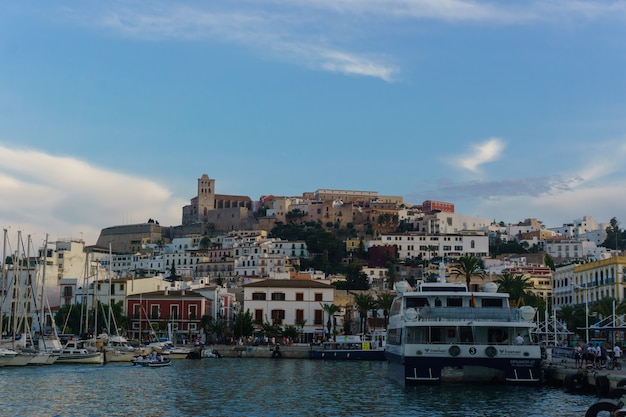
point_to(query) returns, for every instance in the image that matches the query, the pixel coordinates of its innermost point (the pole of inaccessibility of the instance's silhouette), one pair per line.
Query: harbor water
(262, 387)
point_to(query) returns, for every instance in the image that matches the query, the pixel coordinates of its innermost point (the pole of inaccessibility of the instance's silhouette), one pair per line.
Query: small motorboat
(152, 362)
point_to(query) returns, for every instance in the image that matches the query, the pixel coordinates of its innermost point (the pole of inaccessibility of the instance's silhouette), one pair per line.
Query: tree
(68, 318)
(173, 277)
(356, 279)
(567, 314)
(604, 307)
(330, 310)
(385, 300)
(364, 303)
(244, 324)
(291, 332)
(213, 326)
(548, 261)
(515, 285)
(613, 235)
(468, 266)
(205, 242)
(301, 324)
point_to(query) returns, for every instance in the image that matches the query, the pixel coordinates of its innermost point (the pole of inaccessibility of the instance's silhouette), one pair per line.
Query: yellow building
(596, 280)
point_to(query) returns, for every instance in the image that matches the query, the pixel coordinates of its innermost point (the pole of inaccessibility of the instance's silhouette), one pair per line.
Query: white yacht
(441, 332)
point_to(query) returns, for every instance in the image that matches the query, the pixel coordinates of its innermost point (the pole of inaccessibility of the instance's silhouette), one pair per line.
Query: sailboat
(84, 351)
(19, 298)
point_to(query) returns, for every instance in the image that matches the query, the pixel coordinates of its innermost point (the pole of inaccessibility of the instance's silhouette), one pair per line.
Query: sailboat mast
(110, 290)
(5, 271)
(42, 316)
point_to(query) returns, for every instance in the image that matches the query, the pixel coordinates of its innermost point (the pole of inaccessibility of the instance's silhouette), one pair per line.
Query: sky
(111, 111)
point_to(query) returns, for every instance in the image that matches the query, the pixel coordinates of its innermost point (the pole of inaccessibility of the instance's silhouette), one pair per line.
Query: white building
(269, 258)
(289, 303)
(448, 223)
(452, 245)
(572, 249)
(585, 228)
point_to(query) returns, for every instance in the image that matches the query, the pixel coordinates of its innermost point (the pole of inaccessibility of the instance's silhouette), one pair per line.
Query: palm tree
(468, 266)
(515, 285)
(301, 324)
(330, 309)
(384, 302)
(364, 303)
(604, 307)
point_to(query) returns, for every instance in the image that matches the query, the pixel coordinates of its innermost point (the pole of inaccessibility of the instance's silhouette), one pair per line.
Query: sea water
(262, 387)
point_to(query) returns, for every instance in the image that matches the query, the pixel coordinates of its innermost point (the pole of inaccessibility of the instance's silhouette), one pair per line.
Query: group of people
(595, 355)
(153, 357)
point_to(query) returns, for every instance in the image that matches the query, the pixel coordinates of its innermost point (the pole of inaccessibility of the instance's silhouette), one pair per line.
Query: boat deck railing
(469, 313)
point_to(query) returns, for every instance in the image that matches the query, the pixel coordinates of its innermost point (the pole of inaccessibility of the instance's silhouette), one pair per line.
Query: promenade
(562, 371)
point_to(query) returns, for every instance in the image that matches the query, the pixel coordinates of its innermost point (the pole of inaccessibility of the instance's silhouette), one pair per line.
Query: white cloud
(480, 154)
(67, 197)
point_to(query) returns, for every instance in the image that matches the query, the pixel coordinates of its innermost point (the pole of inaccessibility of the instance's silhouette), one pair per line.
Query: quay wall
(287, 352)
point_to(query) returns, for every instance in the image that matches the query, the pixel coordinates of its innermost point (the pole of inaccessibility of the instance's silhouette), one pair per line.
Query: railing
(469, 313)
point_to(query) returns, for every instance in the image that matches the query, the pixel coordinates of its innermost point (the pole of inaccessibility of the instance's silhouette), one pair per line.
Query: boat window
(497, 335)
(395, 307)
(454, 302)
(416, 335)
(491, 302)
(394, 336)
(436, 335)
(416, 302)
(466, 335)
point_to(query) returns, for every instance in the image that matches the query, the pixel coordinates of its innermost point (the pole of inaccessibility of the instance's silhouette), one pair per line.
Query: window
(318, 296)
(155, 312)
(318, 317)
(258, 315)
(278, 296)
(299, 296)
(299, 315)
(278, 316)
(174, 312)
(193, 312)
(258, 296)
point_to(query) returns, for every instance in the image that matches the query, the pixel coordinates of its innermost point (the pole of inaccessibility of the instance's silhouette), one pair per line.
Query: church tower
(206, 196)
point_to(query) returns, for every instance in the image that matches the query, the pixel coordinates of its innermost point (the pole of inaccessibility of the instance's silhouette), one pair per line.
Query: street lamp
(576, 287)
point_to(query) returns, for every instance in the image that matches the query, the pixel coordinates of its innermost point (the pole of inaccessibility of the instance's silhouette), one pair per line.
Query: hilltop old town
(304, 267)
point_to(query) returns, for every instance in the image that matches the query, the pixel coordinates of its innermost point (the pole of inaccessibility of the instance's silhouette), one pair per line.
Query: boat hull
(21, 359)
(43, 359)
(149, 363)
(412, 370)
(96, 358)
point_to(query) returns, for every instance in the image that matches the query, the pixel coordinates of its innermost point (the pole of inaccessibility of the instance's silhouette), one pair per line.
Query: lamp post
(577, 287)
(586, 313)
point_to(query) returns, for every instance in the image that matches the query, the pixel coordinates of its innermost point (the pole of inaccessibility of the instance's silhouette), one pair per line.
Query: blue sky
(110, 111)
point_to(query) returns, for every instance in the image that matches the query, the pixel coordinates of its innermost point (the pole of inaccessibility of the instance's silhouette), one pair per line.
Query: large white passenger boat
(441, 332)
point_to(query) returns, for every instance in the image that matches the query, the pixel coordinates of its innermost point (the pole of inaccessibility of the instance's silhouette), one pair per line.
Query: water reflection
(259, 387)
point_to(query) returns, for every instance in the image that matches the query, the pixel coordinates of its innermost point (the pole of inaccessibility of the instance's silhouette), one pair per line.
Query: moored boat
(352, 347)
(6, 356)
(441, 332)
(152, 362)
(75, 351)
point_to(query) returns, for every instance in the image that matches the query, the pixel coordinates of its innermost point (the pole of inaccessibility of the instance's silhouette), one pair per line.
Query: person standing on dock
(578, 355)
(617, 353)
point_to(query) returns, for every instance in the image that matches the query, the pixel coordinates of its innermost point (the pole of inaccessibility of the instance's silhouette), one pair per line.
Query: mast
(5, 272)
(110, 291)
(42, 317)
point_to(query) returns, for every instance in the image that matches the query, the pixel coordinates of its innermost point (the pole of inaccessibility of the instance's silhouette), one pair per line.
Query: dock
(562, 371)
